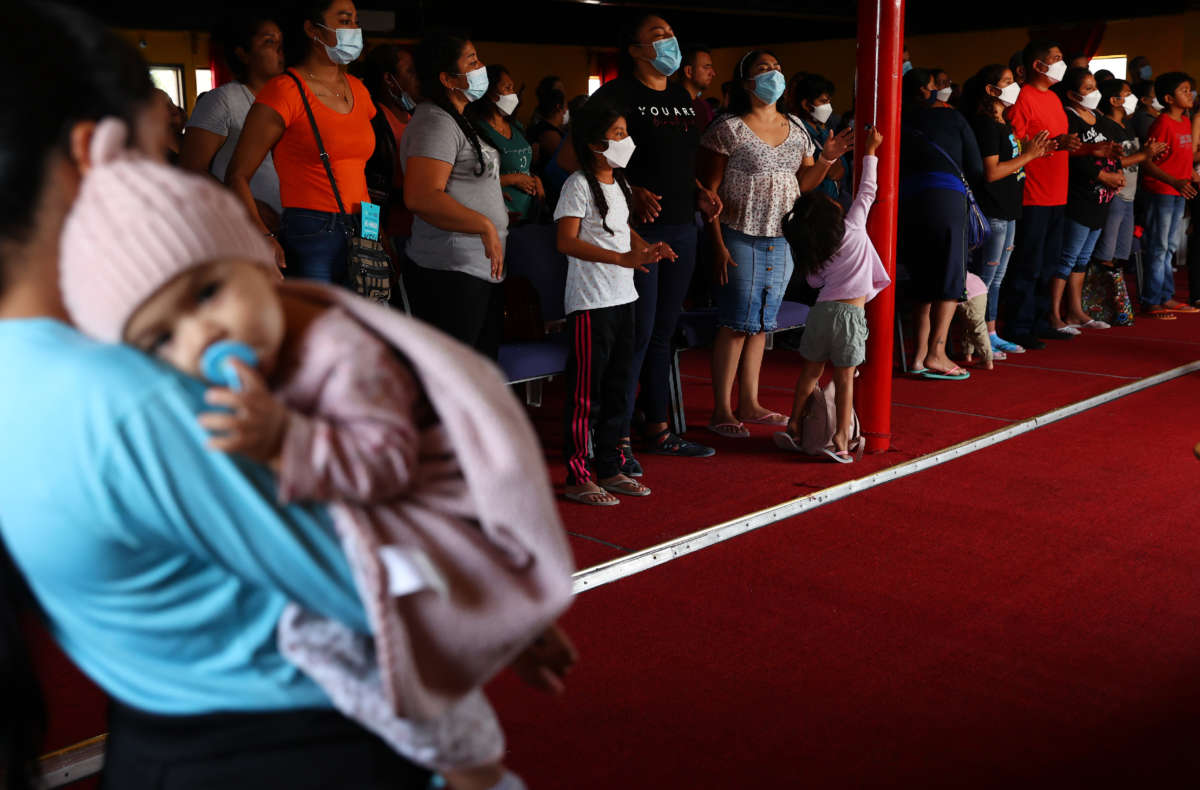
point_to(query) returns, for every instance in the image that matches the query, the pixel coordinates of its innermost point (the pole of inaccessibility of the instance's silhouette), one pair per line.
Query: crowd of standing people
(1022, 191)
(1020, 185)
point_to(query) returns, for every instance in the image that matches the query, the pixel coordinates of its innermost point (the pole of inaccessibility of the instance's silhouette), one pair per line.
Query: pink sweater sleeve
(360, 444)
(868, 186)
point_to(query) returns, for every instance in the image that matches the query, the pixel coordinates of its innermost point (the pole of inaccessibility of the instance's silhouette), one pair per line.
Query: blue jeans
(1164, 216)
(1116, 239)
(1077, 245)
(749, 302)
(660, 300)
(315, 243)
(996, 252)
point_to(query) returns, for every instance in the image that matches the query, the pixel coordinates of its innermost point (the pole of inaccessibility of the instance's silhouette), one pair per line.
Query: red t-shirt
(349, 140)
(1177, 159)
(1045, 177)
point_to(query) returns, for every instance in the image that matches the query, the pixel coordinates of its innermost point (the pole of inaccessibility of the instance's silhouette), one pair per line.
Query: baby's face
(230, 299)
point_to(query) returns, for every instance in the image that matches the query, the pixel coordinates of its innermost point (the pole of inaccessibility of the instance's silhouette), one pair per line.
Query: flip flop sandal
(841, 456)
(918, 371)
(592, 498)
(626, 487)
(1184, 308)
(1093, 324)
(730, 430)
(953, 374)
(785, 441)
(774, 418)
(1161, 315)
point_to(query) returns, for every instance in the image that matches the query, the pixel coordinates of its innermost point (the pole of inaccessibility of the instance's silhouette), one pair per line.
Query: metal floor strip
(614, 570)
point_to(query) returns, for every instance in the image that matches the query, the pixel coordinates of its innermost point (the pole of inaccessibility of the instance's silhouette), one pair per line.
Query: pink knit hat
(136, 225)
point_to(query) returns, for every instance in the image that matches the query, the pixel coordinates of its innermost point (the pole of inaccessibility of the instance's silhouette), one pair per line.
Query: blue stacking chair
(532, 253)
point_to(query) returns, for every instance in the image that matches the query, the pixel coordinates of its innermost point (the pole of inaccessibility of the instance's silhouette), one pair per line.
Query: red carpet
(1025, 616)
(1024, 612)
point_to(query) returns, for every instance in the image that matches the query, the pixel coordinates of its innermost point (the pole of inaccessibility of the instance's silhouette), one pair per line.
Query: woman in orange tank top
(313, 235)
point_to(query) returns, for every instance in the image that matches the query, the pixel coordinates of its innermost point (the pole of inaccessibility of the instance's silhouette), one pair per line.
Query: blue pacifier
(217, 365)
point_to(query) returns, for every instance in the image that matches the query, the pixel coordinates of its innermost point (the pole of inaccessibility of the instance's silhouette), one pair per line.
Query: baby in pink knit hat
(168, 262)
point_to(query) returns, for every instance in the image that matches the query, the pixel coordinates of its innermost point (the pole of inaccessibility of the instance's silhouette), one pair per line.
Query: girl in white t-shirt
(602, 252)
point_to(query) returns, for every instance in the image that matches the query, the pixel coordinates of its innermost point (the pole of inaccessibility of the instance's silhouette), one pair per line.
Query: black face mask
(932, 100)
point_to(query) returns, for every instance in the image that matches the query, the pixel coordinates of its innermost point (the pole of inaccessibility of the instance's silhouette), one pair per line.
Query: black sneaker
(1054, 334)
(629, 465)
(1028, 342)
(667, 443)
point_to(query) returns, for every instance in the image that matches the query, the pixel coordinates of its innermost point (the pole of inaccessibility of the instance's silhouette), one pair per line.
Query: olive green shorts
(835, 332)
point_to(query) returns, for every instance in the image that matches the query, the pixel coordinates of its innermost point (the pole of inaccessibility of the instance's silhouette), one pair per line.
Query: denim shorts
(749, 302)
(1116, 239)
(835, 332)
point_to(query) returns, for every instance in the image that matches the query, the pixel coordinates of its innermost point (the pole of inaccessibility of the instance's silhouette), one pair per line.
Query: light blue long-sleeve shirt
(162, 566)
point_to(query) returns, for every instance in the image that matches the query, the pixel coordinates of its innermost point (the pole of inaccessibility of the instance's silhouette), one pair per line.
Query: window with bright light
(593, 84)
(1115, 63)
(204, 81)
(169, 79)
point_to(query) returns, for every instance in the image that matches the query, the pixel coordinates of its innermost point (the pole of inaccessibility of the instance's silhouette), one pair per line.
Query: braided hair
(438, 54)
(590, 128)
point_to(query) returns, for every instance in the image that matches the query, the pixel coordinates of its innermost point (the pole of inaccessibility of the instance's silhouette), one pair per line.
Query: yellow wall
(174, 48)
(1171, 42)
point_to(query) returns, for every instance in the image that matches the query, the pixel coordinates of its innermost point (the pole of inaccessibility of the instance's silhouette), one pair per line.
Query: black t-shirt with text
(1087, 198)
(666, 133)
(998, 199)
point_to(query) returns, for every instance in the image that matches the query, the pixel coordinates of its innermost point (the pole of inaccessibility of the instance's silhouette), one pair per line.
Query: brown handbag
(368, 267)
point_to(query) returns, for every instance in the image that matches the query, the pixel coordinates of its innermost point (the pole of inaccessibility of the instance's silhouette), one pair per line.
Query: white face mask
(566, 117)
(618, 152)
(1129, 104)
(508, 103)
(1091, 101)
(943, 95)
(1009, 94)
(822, 112)
(349, 45)
(1055, 71)
(1155, 104)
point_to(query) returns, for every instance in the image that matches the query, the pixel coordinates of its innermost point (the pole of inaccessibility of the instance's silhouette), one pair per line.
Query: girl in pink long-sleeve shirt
(836, 255)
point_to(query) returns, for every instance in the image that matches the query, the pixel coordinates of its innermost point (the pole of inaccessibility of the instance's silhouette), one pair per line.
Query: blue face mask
(907, 67)
(477, 84)
(1145, 73)
(667, 56)
(349, 45)
(406, 101)
(769, 86)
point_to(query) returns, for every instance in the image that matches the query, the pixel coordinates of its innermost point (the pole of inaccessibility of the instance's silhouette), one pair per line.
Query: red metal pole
(877, 103)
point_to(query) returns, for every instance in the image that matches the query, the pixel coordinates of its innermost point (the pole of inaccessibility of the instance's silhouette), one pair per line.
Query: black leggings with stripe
(598, 373)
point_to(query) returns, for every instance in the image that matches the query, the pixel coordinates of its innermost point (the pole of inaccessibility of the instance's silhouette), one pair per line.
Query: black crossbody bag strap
(320, 145)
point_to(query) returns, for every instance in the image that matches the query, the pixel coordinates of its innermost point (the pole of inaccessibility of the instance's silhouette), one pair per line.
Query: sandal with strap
(730, 430)
(592, 495)
(626, 486)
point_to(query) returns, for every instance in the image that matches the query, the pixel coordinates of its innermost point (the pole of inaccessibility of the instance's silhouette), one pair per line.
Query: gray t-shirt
(592, 285)
(223, 111)
(433, 134)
